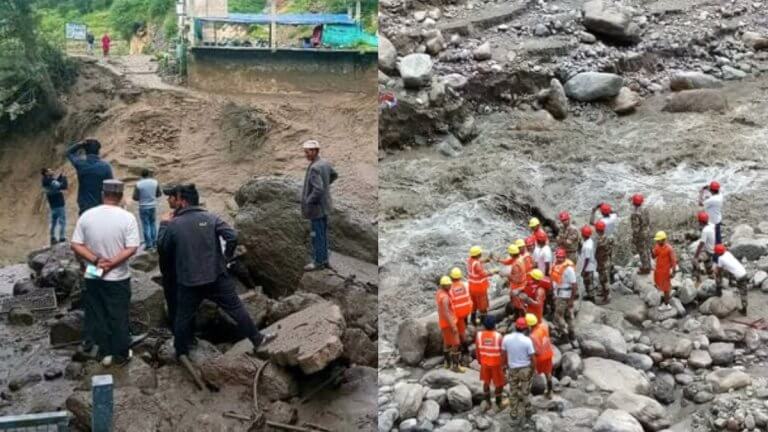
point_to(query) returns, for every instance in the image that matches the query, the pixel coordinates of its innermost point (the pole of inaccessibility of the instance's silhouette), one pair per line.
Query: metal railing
(43, 422)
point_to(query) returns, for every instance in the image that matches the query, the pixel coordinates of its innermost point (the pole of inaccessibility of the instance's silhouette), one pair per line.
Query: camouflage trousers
(604, 275)
(519, 380)
(563, 316)
(641, 248)
(742, 285)
(573, 255)
(704, 260)
(589, 284)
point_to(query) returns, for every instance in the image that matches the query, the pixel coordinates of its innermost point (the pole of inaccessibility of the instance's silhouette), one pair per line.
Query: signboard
(75, 31)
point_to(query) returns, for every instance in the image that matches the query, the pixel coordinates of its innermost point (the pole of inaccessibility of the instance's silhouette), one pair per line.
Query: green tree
(127, 16)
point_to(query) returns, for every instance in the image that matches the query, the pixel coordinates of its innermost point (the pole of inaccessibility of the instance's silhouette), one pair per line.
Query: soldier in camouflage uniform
(568, 238)
(519, 351)
(604, 258)
(641, 224)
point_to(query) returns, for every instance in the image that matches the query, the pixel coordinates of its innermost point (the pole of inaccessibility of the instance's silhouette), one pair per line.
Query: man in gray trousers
(316, 202)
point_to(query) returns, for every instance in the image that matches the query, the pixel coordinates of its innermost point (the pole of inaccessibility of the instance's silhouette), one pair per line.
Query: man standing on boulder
(713, 205)
(488, 348)
(736, 272)
(316, 202)
(566, 288)
(517, 280)
(53, 187)
(517, 350)
(478, 284)
(587, 263)
(641, 233)
(448, 325)
(105, 237)
(604, 258)
(461, 301)
(146, 193)
(543, 347)
(191, 239)
(666, 262)
(705, 251)
(568, 238)
(91, 173)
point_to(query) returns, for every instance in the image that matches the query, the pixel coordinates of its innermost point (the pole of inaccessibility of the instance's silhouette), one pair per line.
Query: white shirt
(563, 289)
(732, 265)
(106, 230)
(519, 348)
(714, 208)
(611, 222)
(542, 256)
(588, 252)
(708, 238)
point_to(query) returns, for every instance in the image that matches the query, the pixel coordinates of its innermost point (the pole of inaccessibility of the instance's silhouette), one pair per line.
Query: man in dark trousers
(53, 185)
(167, 264)
(91, 172)
(316, 202)
(190, 237)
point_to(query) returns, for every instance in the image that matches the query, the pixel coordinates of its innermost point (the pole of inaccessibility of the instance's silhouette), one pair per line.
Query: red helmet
(637, 199)
(600, 226)
(586, 231)
(520, 324)
(541, 235)
(530, 241)
(564, 216)
(703, 217)
(714, 186)
(560, 253)
(605, 209)
(719, 249)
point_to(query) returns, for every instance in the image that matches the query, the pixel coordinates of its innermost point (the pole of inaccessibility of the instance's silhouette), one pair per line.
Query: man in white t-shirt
(705, 251)
(542, 255)
(565, 288)
(517, 351)
(587, 264)
(105, 237)
(609, 218)
(734, 270)
(713, 205)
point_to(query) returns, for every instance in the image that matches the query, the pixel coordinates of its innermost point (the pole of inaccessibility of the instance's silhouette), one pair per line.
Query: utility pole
(357, 11)
(273, 26)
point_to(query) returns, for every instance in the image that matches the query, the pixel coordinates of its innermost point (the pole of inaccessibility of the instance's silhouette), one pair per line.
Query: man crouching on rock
(189, 238)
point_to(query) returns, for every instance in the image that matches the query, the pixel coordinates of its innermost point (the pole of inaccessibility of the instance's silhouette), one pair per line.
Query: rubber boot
(501, 403)
(472, 318)
(447, 363)
(457, 363)
(483, 315)
(486, 404)
(549, 387)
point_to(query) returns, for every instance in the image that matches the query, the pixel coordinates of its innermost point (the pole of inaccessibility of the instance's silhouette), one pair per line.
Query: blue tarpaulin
(345, 36)
(283, 19)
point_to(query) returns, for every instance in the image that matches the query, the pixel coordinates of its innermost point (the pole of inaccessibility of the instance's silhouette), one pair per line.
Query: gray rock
(688, 292)
(437, 395)
(580, 417)
(456, 425)
(700, 359)
(483, 52)
(359, 349)
(554, 100)
(459, 398)
(742, 231)
(592, 86)
(693, 80)
(721, 306)
(23, 286)
(610, 21)
(612, 420)
(445, 379)
(626, 101)
(639, 361)
(435, 44)
(408, 425)
(387, 55)
(647, 411)
(540, 30)
(608, 337)
(455, 81)
(67, 329)
(408, 398)
(387, 419)
(731, 73)
(723, 380)
(751, 249)
(416, 70)
(721, 353)
(610, 375)
(664, 390)
(411, 341)
(759, 277)
(429, 411)
(572, 365)
(700, 100)
(20, 316)
(587, 38)
(657, 314)
(593, 348)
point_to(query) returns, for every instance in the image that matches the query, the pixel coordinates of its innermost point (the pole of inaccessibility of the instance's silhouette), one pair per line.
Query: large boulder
(290, 305)
(626, 101)
(699, 359)
(721, 353)
(610, 375)
(359, 349)
(750, 248)
(554, 100)
(446, 379)
(609, 21)
(387, 55)
(309, 339)
(411, 342)
(408, 398)
(592, 86)
(572, 365)
(147, 299)
(721, 306)
(459, 398)
(699, 100)
(67, 328)
(693, 80)
(612, 420)
(609, 337)
(416, 70)
(723, 380)
(647, 411)
(270, 215)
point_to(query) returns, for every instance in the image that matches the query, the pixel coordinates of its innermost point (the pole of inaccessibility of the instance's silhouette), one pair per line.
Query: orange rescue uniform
(488, 345)
(478, 285)
(462, 305)
(446, 317)
(538, 293)
(665, 262)
(517, 280)
(542, 345)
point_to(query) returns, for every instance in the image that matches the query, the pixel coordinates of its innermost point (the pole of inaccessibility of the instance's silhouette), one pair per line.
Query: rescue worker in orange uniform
(535, 225)
(448, 325)
(517, 281)
(565, 288)
(666, 262)
(462, 304)
(488, 350)
(538, 291)
(478, 283)
(542, 345)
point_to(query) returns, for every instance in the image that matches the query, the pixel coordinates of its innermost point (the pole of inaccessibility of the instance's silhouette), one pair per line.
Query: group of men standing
(193, 262)
(540, 286)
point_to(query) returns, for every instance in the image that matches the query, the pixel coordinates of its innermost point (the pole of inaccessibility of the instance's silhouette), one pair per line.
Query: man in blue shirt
(53, 185)
(146, 193)
(91, 173)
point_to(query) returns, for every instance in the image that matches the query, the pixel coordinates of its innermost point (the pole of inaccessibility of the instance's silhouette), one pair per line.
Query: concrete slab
(485, 19)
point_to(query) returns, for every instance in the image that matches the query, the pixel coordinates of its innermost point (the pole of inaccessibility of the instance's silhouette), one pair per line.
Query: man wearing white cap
(316, 202)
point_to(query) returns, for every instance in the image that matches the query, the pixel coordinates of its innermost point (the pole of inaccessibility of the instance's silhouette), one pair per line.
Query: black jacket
(190, 242)
(53, 188)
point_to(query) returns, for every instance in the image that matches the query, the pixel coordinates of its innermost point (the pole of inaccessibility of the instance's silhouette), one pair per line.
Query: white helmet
(311, 144)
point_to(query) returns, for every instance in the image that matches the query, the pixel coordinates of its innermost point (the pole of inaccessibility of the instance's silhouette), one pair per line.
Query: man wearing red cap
(609, 217)
(587, 263)
(735, 272)
(565, 287)
(641, 223)
(705, 251)
(713, 205)
(604, 258)
(542, 254)
(568, 237)
(517, 351)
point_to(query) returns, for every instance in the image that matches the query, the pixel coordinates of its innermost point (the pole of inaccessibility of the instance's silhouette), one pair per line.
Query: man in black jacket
(53, 185)
(189, 238)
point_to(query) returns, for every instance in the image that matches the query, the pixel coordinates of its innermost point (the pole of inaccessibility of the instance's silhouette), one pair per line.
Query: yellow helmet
(661, 235)
(533, 223)
(537, 274)
(456, 273)
(520, 243)
(475, 251)
(445, 280)
(513, 250)
(531, 319)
